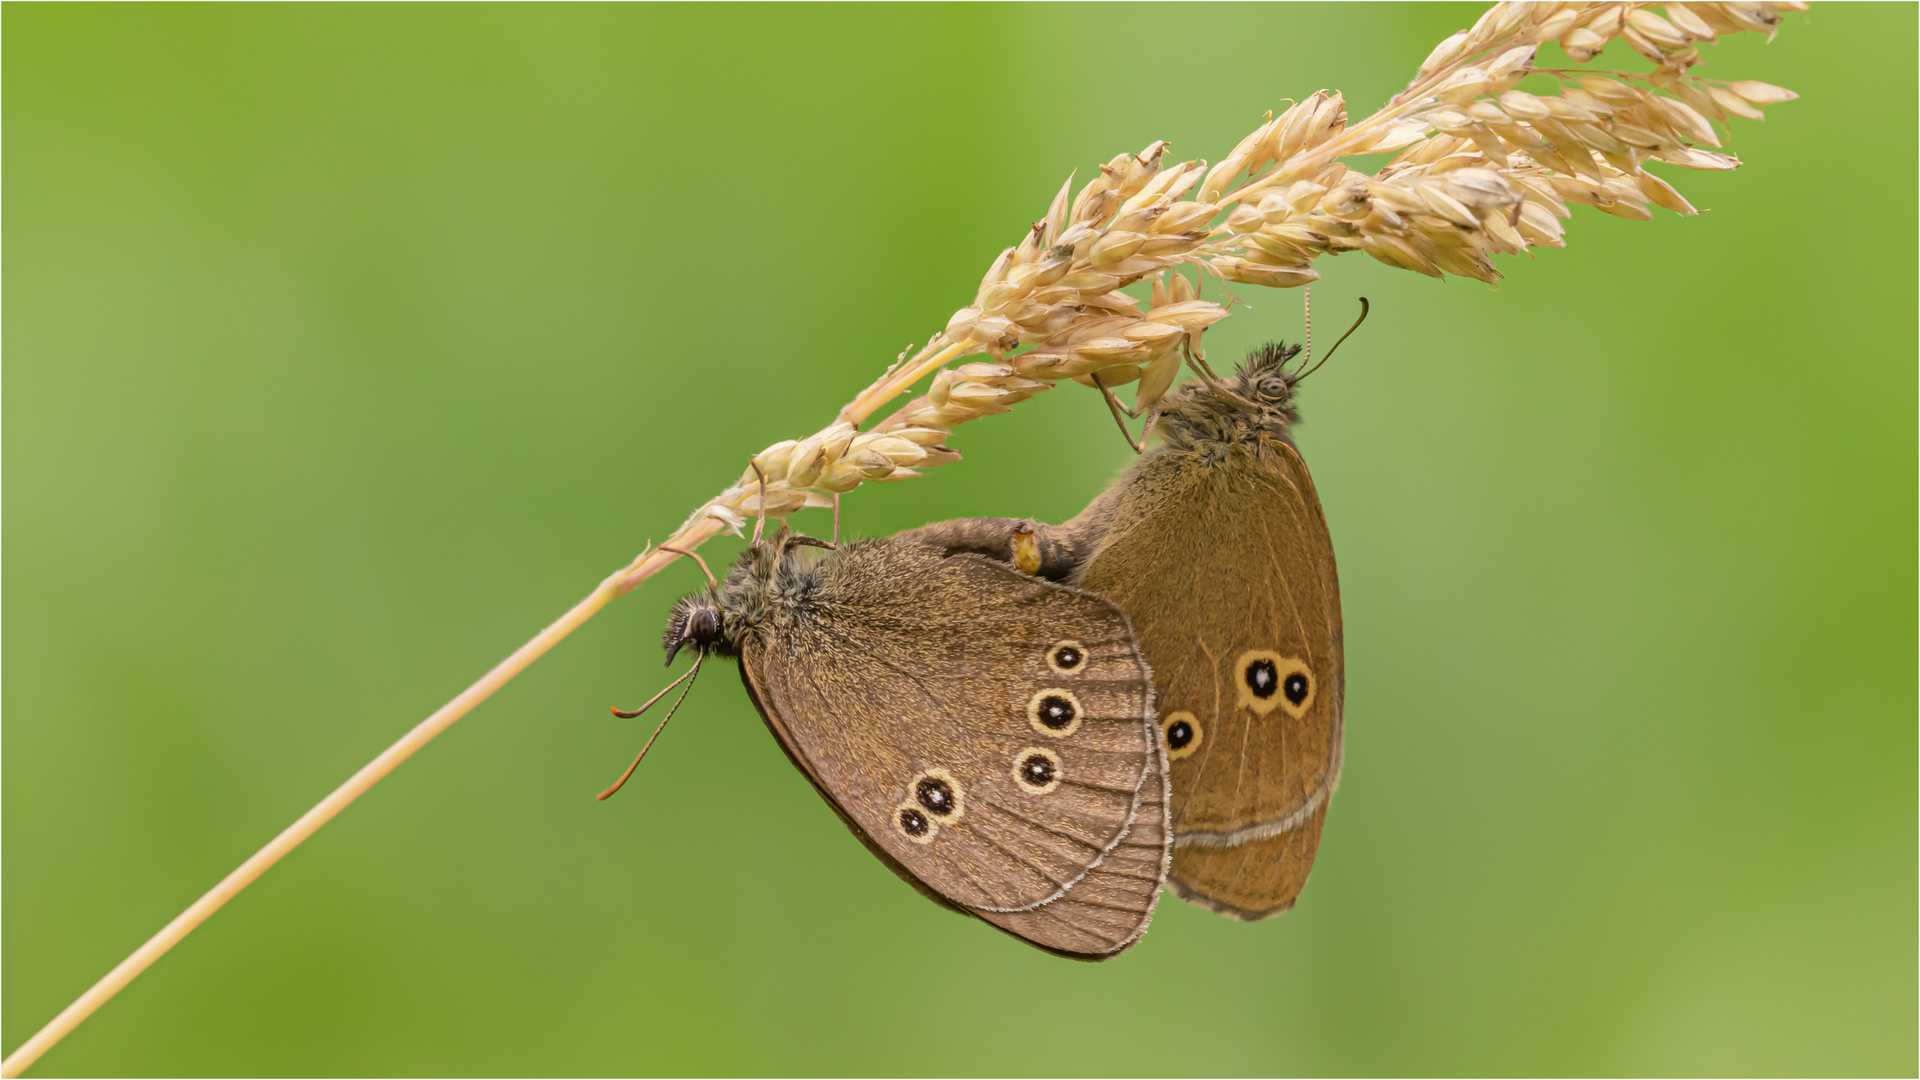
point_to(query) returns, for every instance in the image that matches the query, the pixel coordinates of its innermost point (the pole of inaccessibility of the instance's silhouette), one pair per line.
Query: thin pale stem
(616, 584)
(623, 581)
(890, 385)
(309, 823)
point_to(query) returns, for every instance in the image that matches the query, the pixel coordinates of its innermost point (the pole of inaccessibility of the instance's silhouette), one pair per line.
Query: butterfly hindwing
(1227, 572)
(990, 733)
(1110, 908)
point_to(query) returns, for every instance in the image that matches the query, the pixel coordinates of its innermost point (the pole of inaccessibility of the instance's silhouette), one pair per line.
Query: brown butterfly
(988, 735)
(1215, 546)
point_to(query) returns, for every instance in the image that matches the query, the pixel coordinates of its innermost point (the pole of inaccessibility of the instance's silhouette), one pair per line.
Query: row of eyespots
(1265, 680)
(938, 797)
(933, 797)
(1057, 712)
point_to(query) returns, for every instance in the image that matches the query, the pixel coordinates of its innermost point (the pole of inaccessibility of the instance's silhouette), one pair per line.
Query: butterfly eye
(1054, 712)
(1067, 657)
(939, 794)
(1182, 733)
(1037, 771)
(914, 822)
(1267, 680)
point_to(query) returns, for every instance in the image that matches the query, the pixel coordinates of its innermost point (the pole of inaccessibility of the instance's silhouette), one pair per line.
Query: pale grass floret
(1480, 168)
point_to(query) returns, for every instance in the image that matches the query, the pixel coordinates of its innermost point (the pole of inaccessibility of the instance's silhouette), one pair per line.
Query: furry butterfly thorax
(1256, 407)
(721, 616)
(1247, 416)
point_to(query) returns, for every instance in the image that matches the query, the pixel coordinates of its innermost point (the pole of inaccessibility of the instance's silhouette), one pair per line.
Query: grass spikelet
(1480, 168)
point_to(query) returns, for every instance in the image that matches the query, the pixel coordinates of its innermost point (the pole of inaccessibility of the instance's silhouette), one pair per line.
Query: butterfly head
(767, 578)
(1264, 381)
(1254, 404)
(699, 621)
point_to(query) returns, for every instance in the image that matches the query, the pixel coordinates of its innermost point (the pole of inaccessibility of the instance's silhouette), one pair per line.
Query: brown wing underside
(1251, 881)
(1221, 566)
(1100, 918)
(1109, 909)
(906, 662)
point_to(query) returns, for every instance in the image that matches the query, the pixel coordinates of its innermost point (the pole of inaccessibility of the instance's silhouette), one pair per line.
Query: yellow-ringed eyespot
(1036, 770)
(1264, 680)
(1182, 734)
(915, 824)
(939, 794)
(1067, 657)
(1054, 712)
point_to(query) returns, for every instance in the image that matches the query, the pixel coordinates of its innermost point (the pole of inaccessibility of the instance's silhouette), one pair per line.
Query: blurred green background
(346, 346)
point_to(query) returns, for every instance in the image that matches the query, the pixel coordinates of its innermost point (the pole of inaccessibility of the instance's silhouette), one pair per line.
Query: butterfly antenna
(628, 714)
(691, 673)
(1306, 315)
(1364, 308)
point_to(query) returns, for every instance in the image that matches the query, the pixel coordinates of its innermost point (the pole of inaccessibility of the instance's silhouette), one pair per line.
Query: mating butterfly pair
(1039, 725)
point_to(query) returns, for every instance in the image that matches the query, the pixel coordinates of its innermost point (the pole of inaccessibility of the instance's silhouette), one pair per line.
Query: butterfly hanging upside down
(988, 735)
(974, 701)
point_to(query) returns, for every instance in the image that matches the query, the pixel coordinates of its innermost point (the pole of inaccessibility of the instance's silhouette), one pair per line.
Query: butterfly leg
(800, 539)
(1114, 406)
(695, 556)
(1198, 362)
(759, 522)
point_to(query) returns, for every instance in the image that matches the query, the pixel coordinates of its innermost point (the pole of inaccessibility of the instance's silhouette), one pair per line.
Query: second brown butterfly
(1215, 546)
